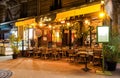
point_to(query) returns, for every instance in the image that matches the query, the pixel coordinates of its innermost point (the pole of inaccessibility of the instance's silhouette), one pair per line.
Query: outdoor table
(86, 59)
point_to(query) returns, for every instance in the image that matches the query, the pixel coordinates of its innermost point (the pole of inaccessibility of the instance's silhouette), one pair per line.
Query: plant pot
(15, 56)
(111, 66)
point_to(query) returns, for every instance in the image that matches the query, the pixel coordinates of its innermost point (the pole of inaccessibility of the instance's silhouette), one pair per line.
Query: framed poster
(103, 34)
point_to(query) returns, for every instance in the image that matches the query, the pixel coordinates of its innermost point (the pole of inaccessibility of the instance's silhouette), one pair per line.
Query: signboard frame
(103, 34)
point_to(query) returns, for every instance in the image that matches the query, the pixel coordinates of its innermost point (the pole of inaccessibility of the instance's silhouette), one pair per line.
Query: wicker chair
(97, 57)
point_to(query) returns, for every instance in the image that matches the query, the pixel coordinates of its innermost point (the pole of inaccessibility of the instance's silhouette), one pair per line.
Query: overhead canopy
(25, 22)
(79, 11)
(62, 15)
(4, 31)
(5, 28)
(28, 21)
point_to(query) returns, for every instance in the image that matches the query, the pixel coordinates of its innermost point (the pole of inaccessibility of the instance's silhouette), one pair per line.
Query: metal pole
(33, 32)
(28, 38)
(90, 37)
(51, 36)
(70, 37)
(103, 63)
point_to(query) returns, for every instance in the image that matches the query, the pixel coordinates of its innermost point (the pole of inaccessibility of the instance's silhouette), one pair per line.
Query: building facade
(27, 8)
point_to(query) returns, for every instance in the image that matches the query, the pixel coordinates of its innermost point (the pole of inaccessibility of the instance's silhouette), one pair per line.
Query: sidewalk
(3, 58)
(37, 68)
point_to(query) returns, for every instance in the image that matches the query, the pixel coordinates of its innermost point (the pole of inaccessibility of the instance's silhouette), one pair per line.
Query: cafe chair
(64, 52)
(37, 53)
(29, 53)
(44, 53)
(81, 55)
(71, 55)
(55, 54)
(97, 57)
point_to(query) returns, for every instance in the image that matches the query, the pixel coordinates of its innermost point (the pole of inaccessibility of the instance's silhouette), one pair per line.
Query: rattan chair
(97, 57)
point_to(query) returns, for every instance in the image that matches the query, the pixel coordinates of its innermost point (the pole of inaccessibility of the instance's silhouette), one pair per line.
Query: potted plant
(13, 42)
(112, 52)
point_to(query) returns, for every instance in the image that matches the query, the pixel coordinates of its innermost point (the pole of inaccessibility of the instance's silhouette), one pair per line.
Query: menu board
(103, 34)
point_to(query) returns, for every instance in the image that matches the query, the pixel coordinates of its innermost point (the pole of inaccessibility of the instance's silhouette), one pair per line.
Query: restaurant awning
(25, 22)
(4, 31)
(79, 11)
(86, 9)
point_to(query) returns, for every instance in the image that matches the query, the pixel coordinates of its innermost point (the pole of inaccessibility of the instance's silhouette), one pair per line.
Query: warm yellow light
(87, 22)
(102, 2)
(53, 27)
(45, 38)
(41, 24)
(68, 24)
(79, 11)
(102, 15)
(49, 19)
(63, 21)
(32, 24)
(75, 35)
(59, 19)
(50, 26)
(57, 34)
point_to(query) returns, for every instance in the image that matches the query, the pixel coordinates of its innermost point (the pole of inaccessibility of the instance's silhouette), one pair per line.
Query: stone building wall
(116, 16)
(3, 13)
(119, 19)
(26, 8)
(44, 6)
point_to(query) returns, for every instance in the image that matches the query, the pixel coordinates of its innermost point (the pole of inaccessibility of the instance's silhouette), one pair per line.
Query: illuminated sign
(103, 34)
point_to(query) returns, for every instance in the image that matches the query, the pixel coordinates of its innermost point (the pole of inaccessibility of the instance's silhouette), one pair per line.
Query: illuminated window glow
(103, 34)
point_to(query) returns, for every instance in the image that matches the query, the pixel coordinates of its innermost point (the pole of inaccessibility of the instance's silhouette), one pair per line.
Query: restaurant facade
(65, 24)
(66, 27)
